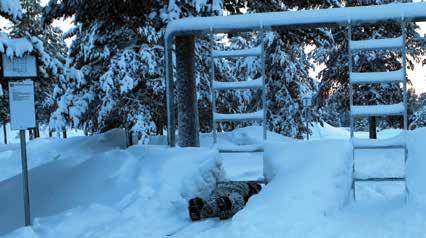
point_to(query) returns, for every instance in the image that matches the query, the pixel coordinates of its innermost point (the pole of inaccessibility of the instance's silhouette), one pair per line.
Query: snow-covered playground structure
(180, 38)
(180, 35)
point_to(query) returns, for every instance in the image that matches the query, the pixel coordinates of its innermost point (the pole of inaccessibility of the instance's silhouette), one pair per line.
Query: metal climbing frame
(400, 109)
(217, 86)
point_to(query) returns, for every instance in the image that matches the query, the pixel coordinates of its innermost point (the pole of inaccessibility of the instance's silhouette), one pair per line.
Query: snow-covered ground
(90, 187)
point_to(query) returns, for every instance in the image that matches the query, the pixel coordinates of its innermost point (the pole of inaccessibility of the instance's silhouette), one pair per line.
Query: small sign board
(23, 67)
(22, 106)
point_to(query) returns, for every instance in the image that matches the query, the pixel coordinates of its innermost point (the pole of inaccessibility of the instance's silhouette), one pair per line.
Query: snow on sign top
(307, 18)
(22, 67)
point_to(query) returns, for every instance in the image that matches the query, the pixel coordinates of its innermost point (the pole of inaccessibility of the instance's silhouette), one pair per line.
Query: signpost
(19, 72)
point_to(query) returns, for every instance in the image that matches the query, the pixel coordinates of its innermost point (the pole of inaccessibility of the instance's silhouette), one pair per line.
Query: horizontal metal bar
(377, 44)
(248, 84)
(379, 147)
(253, 116)
(257, 51)
(225, 151)
(377, 77)
(380, 180)
(378, 110)
(297, 19)
(244, 181)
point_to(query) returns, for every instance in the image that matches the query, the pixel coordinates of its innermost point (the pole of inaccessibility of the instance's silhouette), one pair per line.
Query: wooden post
(188, 121)
(31, 134)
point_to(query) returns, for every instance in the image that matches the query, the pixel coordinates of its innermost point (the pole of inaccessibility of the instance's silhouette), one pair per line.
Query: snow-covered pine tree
(119, 49)
(334, 87)
(11, 10)
(418, 117)
(52, 46)
(288, 64)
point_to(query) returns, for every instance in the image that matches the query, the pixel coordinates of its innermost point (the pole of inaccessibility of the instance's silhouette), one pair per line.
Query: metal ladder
(248, 84)
(217, 86)
(400, 109)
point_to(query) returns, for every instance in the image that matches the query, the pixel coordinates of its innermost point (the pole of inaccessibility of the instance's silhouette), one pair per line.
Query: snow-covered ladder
(217, 86)
(400, 109)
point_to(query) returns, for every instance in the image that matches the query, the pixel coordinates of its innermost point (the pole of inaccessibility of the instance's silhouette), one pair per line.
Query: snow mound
(139, 187)
(42, 151)
(318, 171)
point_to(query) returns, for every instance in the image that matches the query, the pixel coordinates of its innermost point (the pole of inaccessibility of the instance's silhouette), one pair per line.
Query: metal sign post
(22, 117)
(22, 110)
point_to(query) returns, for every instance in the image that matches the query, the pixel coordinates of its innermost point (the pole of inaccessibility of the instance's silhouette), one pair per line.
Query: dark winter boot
(224, 204)
(194, 206)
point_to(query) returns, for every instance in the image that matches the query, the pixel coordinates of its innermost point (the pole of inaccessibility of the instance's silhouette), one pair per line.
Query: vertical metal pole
(213, 91)
(404, 65)
(171, 129)
(264, 105)
(351, 118)
(25, 179)
(349, 79)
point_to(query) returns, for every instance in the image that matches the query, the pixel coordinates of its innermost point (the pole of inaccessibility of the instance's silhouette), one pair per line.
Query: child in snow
(226, 200)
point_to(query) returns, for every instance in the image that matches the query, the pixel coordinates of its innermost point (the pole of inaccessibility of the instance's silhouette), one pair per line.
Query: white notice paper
(22, 106)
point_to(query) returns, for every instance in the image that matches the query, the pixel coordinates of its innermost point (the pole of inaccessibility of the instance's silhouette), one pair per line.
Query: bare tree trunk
(5, 133)
(372, 124)
(188, 121)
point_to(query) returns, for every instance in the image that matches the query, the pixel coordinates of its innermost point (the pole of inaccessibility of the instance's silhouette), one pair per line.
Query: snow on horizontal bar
(397, 141)
(378, 77)
(240, 148)
(256, 51)
(378, 110)
(253, 116)
(390, 43)
(291, 19)
(379, 163)
(249, 84)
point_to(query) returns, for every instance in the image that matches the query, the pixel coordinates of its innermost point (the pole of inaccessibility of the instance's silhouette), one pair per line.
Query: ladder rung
(378, 77)
(248, 84)
(378, 110)
(397, 142)
(380, 180)
(253, 116)
(256, 148)
(375, 44)
(256, 51)
(247, 181)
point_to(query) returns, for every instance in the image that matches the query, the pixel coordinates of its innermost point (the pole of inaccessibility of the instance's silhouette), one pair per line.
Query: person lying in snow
(226, 200)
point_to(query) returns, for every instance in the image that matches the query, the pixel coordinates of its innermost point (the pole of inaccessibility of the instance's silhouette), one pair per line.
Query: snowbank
(139, 187)
(307, 166)
(42, 151)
